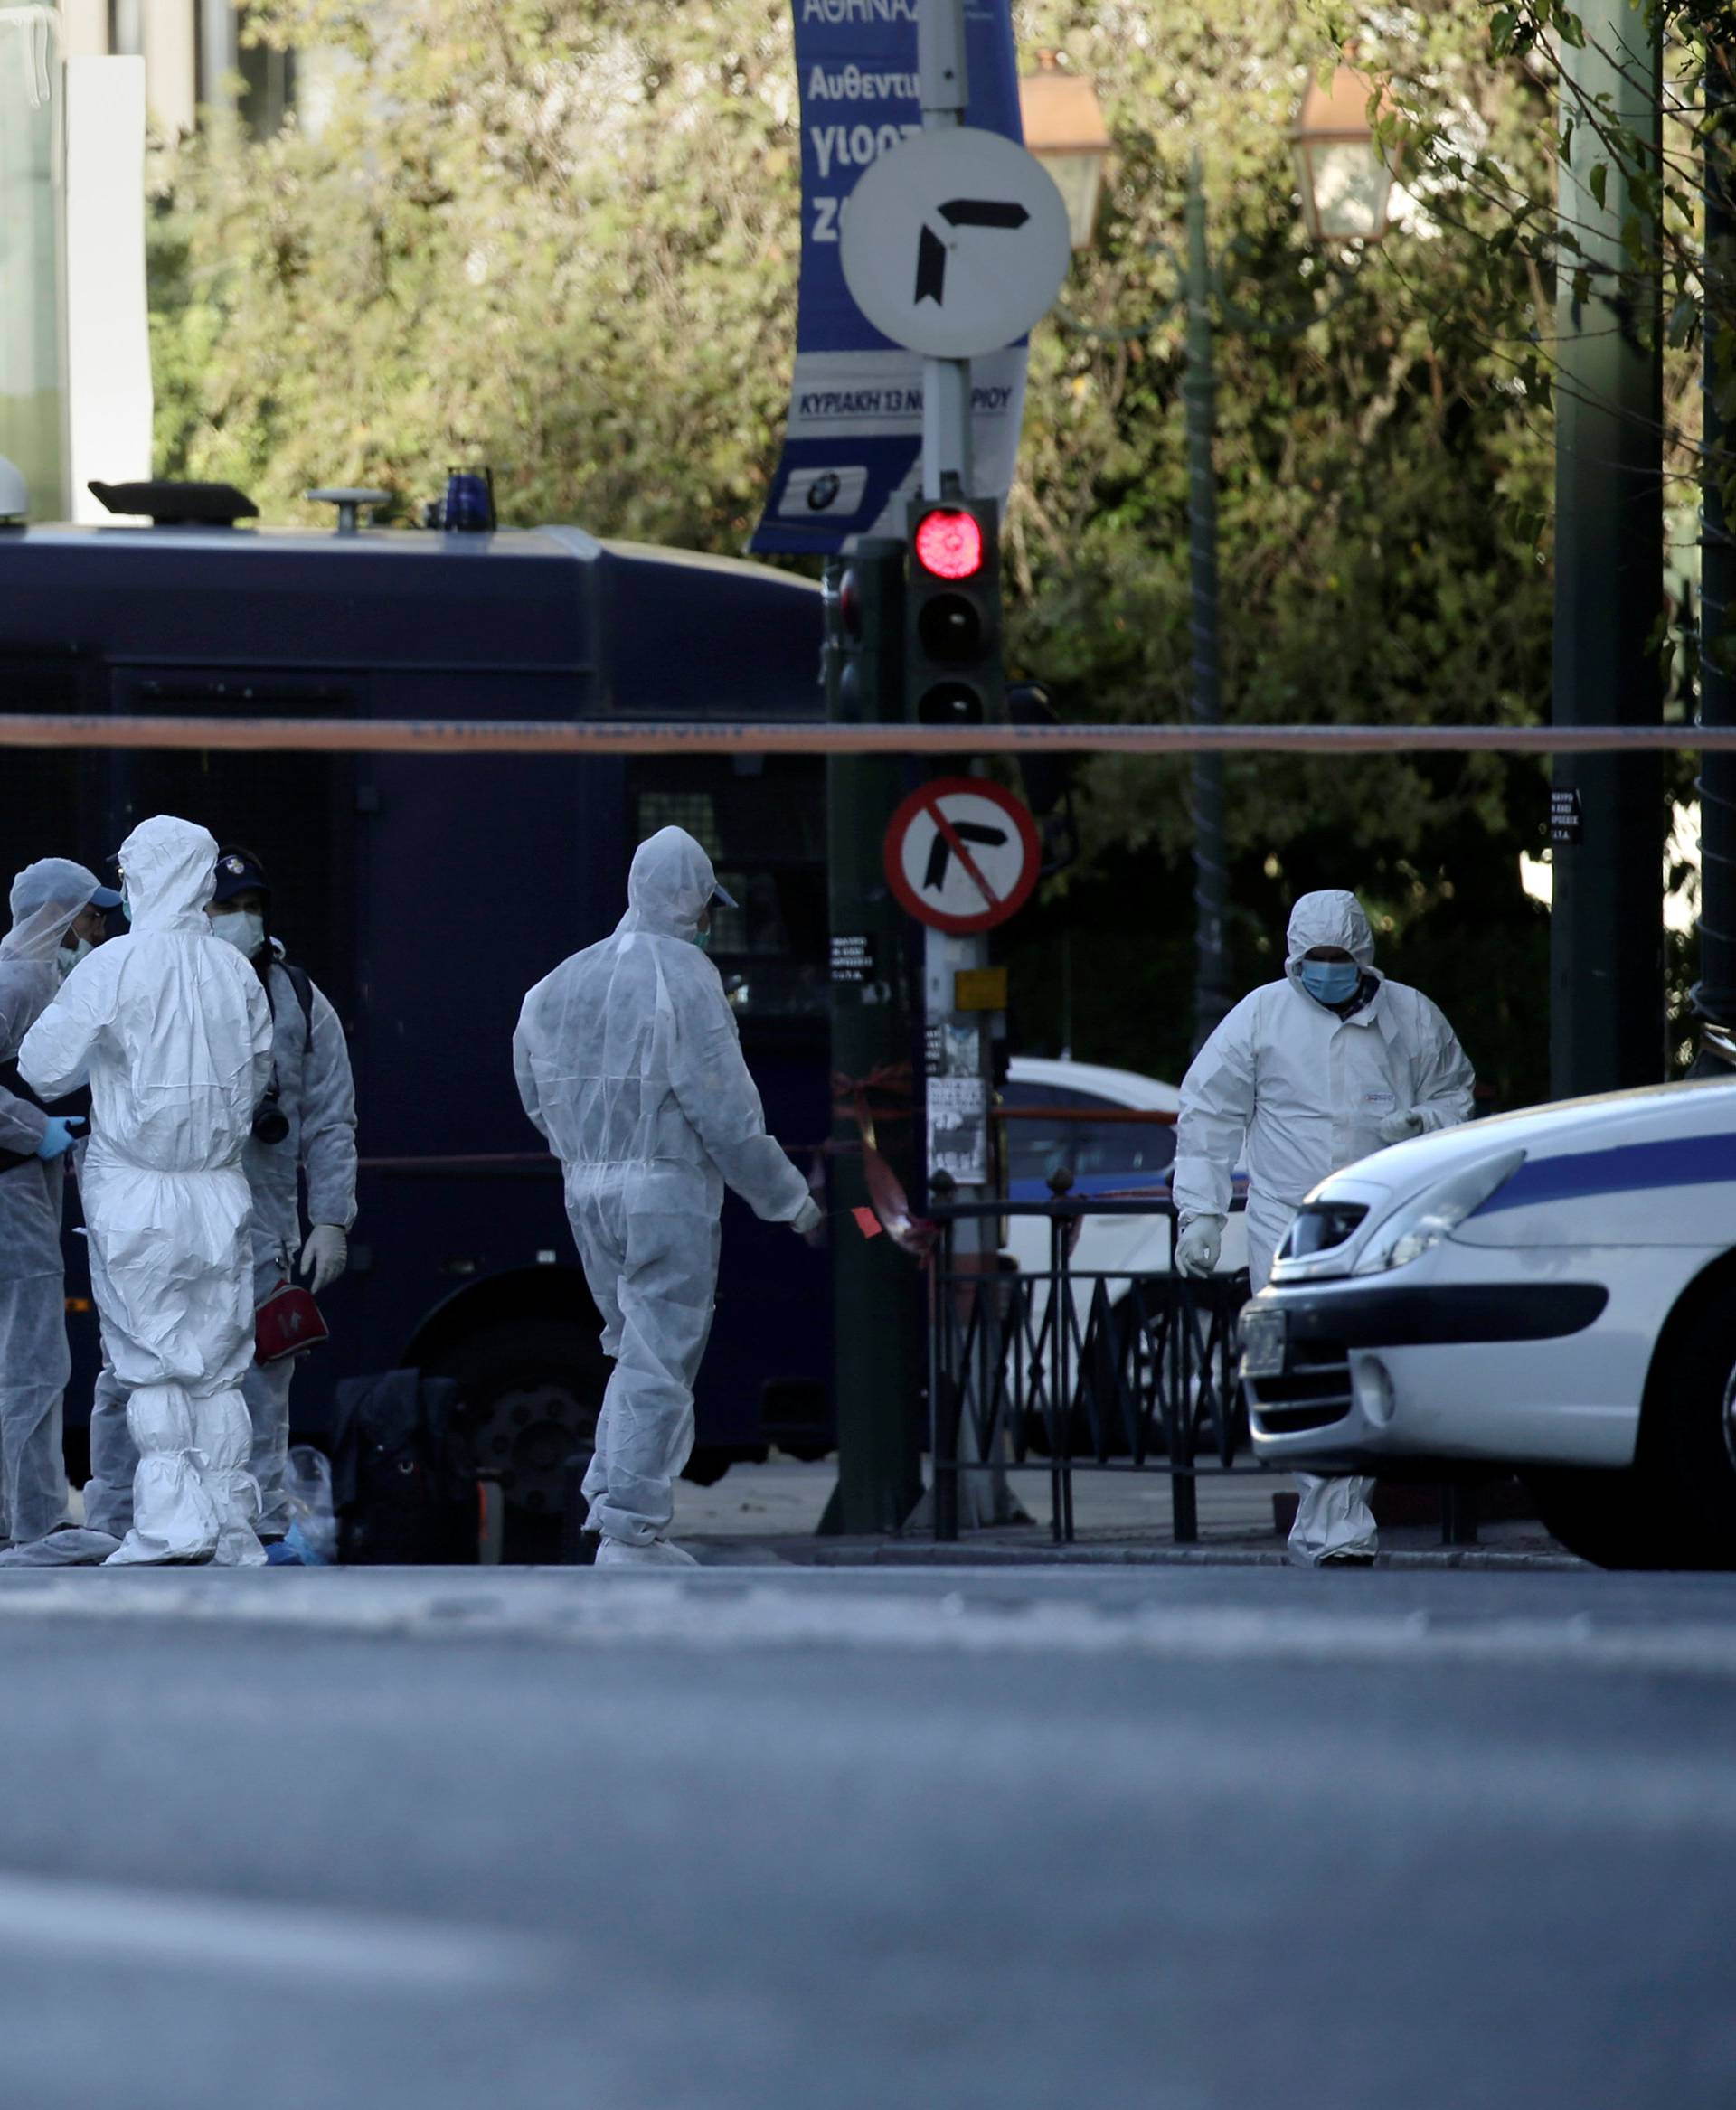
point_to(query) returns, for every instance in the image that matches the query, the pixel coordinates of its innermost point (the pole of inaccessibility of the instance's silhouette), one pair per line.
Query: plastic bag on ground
(308, 1487)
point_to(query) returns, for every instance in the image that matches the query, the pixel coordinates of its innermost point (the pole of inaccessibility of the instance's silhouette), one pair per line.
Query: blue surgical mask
(126, 904)
(1330, 981)
(702, 939)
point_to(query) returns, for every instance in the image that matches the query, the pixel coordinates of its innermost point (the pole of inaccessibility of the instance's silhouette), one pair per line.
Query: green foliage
(560, 237)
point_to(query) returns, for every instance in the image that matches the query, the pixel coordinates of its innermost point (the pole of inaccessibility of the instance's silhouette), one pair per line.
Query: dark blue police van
(426, 894)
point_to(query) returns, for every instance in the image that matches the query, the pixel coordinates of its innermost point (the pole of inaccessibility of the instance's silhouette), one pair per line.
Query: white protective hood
(45, 898)
(170, 868)
(668, 887)
(1333, 918)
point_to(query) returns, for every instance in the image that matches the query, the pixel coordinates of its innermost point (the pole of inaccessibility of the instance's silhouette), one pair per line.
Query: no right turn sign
(962, 855)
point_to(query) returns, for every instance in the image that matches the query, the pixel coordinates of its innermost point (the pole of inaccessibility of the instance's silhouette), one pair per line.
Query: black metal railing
(1080, 1368)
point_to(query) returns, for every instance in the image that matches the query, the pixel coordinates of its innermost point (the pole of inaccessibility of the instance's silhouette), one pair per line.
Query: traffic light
(952, 613)
(863, 598)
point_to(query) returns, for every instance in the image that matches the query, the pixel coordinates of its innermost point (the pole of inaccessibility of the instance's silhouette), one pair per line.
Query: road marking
(255, 1938)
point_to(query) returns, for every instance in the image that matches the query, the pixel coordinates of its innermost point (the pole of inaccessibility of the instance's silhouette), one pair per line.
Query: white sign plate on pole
(955, 243)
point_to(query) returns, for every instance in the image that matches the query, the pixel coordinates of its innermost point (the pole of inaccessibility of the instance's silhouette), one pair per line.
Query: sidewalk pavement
(771, 1513)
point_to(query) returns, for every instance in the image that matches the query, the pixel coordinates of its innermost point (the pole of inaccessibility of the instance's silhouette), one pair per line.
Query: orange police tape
(420, 736)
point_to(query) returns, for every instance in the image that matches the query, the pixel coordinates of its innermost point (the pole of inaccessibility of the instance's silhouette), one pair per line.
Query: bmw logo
(823, 492)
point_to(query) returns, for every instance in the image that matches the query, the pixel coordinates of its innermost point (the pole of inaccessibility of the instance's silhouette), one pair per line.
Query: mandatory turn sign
(962, 855)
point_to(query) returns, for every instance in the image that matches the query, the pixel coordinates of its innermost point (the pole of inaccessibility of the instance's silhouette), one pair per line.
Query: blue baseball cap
(238, 871)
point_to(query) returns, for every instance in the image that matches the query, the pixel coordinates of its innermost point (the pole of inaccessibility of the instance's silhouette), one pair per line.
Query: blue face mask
(702, 939)
(1330, 981)
(126, 905)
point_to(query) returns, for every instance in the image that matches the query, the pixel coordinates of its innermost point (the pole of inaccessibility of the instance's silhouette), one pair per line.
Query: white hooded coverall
(310, 1060)
(628, 1061)
(35, 1360)
(170, 1028)
(1294, 1092)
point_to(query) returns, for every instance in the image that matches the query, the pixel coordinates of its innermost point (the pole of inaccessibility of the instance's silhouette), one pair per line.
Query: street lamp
(1346, 196)
(1065, 128)
(1344, 178)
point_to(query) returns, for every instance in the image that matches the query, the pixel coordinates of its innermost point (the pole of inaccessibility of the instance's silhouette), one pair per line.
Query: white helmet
(14, 492)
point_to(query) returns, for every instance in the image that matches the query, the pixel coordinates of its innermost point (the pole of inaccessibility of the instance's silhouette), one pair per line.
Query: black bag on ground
(403, 1482)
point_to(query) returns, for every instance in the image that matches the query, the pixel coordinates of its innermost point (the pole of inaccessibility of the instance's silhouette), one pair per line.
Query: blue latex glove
(58, 1137)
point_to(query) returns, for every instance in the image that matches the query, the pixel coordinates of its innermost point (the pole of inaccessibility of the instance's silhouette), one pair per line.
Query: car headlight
(1422, 1223)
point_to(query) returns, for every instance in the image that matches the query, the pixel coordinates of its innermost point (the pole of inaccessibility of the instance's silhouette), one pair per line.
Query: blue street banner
(853, 446)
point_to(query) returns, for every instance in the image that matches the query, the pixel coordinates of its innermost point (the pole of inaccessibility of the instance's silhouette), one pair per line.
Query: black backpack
(403, 1481)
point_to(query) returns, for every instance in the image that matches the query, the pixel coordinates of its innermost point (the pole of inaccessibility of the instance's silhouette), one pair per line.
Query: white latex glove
(325, 1256)
(1400, 1127)
(1197, 1249)
(807, 1217)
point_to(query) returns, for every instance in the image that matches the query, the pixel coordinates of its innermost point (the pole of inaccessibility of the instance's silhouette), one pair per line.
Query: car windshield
(1133, 1152)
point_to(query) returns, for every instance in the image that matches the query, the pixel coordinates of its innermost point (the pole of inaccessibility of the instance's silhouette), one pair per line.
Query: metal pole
(945, 83)
(1714, 996)
(1199, 389)
(948, 472)
(1607, 934)
(878, 1304)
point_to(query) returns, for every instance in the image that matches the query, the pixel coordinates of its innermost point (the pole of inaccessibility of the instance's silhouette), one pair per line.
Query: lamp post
(1064, 126)
(1345, 180)
(1346, 186)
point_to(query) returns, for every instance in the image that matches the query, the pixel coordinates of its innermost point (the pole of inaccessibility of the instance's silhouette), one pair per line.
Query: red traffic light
(949, 545)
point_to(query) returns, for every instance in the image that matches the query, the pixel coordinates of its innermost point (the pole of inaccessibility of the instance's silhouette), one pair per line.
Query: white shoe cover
(653, 1553)
(72, 1546)
(193, 1498)
(1333, 1522)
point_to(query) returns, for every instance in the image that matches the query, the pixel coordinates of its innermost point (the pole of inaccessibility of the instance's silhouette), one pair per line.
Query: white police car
(1553, 1291)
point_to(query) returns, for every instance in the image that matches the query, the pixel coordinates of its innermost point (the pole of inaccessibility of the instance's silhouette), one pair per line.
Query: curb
(1406, 1560)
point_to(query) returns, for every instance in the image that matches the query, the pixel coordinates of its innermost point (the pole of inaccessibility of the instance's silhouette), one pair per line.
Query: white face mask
(68, 956)
(245, 933)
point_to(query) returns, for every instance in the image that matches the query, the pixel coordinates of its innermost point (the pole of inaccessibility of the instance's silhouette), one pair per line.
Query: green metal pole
(879, 1360)
(1200, 393)
(1605, 967)
(1714, 996)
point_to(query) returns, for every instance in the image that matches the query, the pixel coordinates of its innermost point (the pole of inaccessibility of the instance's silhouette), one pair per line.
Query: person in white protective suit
(170, 1028)
(57, 918)
(1314, 1071)
(628, 1062)
(307, 1130)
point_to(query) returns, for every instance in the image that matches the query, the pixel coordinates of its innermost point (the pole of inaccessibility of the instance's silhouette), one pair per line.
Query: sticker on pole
(962, 855)
(955, 243)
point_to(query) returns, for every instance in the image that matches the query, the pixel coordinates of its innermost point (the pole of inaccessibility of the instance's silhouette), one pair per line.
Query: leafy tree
(561, 237)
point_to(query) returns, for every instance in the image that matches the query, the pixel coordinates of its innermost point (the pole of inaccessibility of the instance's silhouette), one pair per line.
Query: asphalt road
(1173, 1839)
